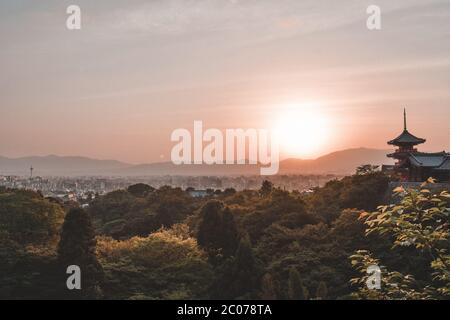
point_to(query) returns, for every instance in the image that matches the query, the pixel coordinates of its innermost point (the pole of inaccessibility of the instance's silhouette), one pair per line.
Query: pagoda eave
(409, 143)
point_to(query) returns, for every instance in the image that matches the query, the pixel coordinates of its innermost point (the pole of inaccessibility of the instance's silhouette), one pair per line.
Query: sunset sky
(137, 70)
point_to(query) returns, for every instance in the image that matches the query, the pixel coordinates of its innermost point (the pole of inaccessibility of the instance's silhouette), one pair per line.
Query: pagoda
(412, 165)
(405, 143)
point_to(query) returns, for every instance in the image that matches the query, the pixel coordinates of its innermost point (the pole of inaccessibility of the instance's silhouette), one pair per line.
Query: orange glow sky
(138, 70)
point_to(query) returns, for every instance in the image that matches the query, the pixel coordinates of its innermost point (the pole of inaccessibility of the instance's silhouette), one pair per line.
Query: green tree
(77, 247)
(296, 290)
(366, 169)
(140, 190)
(245, 271)
(266, 188)
(420, 221)
(217, 231)
(230, 236)
(28, 217)
(229, 192)
(29, 231)
(210, 224)
(167, 264)
(322, 291)
(364, 192)
(239, 276)
(268, 287)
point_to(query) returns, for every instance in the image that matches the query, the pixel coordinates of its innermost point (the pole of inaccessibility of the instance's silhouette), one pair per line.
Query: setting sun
(301, 130)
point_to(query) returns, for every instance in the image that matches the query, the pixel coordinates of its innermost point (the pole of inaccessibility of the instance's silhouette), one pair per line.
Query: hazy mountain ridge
(58, 165)
(340, 162)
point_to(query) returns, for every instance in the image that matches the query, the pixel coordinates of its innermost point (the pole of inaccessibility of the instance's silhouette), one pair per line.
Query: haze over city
(138, 70)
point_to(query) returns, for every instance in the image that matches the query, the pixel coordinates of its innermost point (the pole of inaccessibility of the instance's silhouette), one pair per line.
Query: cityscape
(82, 189)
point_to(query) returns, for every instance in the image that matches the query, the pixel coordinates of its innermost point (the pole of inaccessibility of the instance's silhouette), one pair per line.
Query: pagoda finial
(404, 119)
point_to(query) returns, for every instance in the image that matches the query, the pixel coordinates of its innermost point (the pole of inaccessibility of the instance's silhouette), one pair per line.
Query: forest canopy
(147, 243)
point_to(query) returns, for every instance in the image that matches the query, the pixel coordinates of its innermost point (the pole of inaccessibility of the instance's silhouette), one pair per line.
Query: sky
(137, 70)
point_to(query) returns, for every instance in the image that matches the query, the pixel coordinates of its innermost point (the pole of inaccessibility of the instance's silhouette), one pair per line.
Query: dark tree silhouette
(366, 169)
(266, 188)
(269, 288)
(229, 191)
(77, 247)
(296, 290)
(229, 237)
(239, 277)
(217, 231)
(322, 291)
(140, 190)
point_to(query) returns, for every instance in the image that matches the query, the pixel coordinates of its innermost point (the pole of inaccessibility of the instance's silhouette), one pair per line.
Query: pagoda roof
(406, 138)
(445, 165)
(432, 160)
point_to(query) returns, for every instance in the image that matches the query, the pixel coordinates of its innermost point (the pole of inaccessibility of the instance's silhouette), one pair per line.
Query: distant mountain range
(56, 166)
(340, 162)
